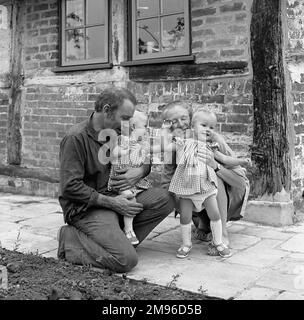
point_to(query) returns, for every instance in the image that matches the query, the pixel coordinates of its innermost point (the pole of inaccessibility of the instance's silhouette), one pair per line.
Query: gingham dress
(192, 175)
(135, 158)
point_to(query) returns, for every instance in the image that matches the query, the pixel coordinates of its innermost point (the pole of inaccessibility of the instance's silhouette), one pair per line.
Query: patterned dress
(135, 158)
(192, 176)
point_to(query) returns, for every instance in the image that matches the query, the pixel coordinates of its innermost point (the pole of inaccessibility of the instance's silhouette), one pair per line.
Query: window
(160, 28)
(84, 32)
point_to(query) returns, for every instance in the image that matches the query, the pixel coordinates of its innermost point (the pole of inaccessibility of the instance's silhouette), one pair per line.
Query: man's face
(119, 120)
(178, 118)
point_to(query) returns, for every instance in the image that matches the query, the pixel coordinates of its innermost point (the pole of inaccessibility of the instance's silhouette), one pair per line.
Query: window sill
(83, 67)
(190, 58)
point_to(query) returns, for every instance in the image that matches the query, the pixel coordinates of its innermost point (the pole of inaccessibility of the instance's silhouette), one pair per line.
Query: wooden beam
(186, 71)
(271, 148)
(14, 139)
(42, 174)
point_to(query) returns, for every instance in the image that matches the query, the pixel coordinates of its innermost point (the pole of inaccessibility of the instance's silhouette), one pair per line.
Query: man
(94, 215)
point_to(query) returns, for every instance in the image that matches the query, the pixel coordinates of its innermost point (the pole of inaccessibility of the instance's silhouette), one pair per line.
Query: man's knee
(163, 201)
(127, 261)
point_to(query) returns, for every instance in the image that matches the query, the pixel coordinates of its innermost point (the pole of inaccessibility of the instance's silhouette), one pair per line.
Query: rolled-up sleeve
(72, 171)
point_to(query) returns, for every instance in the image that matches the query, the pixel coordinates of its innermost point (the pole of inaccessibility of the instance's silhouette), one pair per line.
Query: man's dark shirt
(82, 176)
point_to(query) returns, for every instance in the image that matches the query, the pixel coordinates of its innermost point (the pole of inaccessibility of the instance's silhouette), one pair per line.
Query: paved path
(268, 263)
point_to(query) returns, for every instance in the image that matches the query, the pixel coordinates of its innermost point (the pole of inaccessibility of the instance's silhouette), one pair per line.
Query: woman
(233, 185)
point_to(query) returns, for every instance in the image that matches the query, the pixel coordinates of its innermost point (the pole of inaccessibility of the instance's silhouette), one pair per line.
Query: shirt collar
(90, 130)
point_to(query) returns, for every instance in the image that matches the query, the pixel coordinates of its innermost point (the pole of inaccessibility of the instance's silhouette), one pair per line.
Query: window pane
(96, 11)
(74, 13)
(147, 36)
(173, 32)
(147, 8)
(96, 44)
(75, 44)
(171, 6)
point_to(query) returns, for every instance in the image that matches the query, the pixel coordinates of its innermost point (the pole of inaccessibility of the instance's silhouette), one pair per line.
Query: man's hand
(124, 205)
(127, 178)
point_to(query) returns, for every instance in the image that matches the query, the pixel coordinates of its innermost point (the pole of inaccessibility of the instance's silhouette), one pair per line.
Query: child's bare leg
(186, 208)
(216, 227)
(128, 222)
(222, 202)
(215, 219)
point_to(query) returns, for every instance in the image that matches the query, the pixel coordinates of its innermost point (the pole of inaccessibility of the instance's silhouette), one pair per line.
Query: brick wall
(295, 56)
(41, 44)
(230, 99)
(220, 29)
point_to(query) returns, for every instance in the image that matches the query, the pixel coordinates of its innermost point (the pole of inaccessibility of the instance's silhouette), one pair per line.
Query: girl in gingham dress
(131, 152)
(195, 183)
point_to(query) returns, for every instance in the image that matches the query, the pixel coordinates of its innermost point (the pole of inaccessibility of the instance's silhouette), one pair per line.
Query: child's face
(139, 124)
(204, 126)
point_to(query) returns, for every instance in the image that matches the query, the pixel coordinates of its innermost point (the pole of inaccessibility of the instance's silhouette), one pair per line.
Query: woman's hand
(215, 137)
(127, 178)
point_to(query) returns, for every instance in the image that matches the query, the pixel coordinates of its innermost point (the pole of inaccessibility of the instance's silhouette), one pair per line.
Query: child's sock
(216, 228)
(186, 234)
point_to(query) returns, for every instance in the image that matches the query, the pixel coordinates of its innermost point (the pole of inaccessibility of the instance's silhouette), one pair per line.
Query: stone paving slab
(268, 262)
(261, 255)
(290, 296)
(295, 244)
(27, 242)
(258, 293)
(266, 233)
(280, 281)
(214, 277)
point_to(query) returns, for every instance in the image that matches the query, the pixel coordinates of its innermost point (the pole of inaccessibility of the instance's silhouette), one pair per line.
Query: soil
(32, 277)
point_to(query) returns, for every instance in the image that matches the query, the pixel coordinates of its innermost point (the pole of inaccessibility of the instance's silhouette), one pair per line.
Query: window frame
(137, 58)
(85, 62)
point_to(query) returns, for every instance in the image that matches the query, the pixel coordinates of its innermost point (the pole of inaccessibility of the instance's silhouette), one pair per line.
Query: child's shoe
(131, 236)
(183, 252)
(220, 249)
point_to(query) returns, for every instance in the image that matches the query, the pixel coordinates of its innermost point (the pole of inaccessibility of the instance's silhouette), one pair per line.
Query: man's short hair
(114, 97)
(178, 103)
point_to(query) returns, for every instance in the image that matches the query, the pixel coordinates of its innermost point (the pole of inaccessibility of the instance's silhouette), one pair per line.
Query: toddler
(195, 183)
(131, 151)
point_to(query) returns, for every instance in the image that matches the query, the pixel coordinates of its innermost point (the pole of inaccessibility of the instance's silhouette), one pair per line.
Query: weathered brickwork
(53, 102)
(220, 29)
(41, 36)
(295, 56)
(230, 99)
